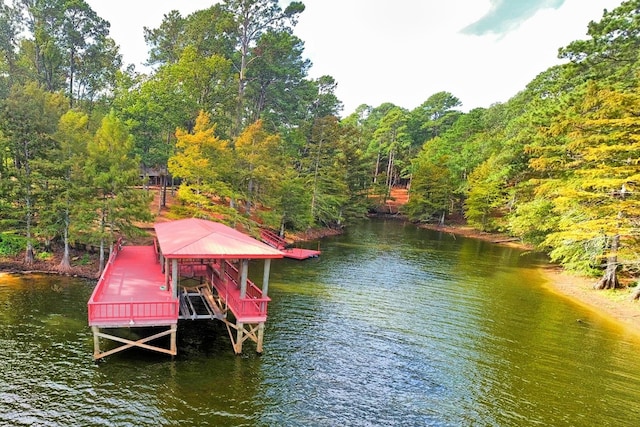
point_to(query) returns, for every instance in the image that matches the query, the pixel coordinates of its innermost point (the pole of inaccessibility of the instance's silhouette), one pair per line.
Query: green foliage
(11, 244)
(391, 140)
(113, 203)
(432, 185)
(590, 155)
(290, 206)
(583, 256)
(486, 200)
(612, 52)
(71, 51)
(85, 259)
(44, 256)
(534, 220)
(434, 117)
(28, 120)
(204, 163)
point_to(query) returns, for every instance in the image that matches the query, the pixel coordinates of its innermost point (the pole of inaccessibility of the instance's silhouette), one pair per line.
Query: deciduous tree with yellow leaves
(590, 158)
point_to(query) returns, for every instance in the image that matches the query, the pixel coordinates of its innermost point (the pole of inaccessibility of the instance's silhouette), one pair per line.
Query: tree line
(229, 113)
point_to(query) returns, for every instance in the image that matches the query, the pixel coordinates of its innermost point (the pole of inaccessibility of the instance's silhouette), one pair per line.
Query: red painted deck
(132, 291)
(299, 253)
(279, 243)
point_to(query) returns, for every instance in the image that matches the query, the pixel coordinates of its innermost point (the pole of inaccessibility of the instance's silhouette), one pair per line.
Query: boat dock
(273, 240)
(142, 287)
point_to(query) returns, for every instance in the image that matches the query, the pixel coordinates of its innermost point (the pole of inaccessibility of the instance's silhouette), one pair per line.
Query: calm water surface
(392, 325)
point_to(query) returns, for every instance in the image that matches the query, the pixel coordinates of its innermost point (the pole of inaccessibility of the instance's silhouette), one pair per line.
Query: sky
(404, 51)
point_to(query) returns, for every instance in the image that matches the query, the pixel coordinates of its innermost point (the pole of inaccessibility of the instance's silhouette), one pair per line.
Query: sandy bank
(613, 305)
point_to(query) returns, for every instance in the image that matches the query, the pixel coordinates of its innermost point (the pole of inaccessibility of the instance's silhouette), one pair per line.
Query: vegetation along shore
(231, 128)
(617, 305)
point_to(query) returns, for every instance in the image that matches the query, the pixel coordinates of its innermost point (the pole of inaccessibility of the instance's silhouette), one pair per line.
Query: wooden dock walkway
(141, 286)
(272, 239)
(132, 292)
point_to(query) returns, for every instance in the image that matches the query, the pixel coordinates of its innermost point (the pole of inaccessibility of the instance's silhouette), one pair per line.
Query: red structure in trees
(196, 269)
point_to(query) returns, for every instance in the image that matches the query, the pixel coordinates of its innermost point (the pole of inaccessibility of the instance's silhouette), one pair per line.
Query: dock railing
(130, 313)
(251, 308)
(126, 313)
(272, 239)
(106, 273)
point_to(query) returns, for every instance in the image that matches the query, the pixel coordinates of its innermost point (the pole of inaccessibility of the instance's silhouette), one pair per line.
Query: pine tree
(113, 176)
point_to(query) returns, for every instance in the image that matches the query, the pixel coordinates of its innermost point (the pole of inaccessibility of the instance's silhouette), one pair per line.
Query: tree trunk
(65, 264)
(247, 203)
(163, 199)
(101, 265)
(377, 171)
(610, 278)
(389, 181)
(29, 258)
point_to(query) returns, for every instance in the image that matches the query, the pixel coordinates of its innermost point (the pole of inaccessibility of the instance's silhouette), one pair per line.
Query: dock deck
(140, 286)
(132, 292)
(274, 240)
(300, 253)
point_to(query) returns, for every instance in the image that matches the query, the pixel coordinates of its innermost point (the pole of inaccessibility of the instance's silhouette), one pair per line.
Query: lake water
(392, 325)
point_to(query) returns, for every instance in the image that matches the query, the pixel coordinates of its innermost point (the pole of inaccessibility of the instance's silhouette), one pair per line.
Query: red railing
(106, 273)
(272, 239)
(126, 313)
(251, 308)
(193, 270)
(132, 313)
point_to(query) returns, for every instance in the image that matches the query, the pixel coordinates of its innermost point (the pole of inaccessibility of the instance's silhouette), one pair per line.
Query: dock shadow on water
(392, 325)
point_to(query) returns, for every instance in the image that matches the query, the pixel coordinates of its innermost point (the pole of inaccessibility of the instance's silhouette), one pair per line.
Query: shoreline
(88, 271)
(614, 306)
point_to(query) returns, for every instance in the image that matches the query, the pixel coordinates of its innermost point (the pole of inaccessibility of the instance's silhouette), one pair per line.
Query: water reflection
(392, 325)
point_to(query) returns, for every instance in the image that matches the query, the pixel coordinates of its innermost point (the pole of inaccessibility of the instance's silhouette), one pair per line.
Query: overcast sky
(403, 51)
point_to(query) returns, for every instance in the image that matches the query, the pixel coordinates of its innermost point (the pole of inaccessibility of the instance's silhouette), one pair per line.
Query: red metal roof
(199, 238)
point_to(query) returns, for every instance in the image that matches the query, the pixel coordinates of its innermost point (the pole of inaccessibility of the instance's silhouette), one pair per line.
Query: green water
(392, 325)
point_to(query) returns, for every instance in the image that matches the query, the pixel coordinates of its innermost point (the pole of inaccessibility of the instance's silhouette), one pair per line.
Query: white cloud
(405, 54)
(128, 18)
(400, 51)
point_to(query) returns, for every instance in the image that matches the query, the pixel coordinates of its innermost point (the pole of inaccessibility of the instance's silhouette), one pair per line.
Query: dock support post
(265, 277)
(96, 341)
(239, 337)
(244, 273)
(174, 333)
(174, 277)
(260, 337)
